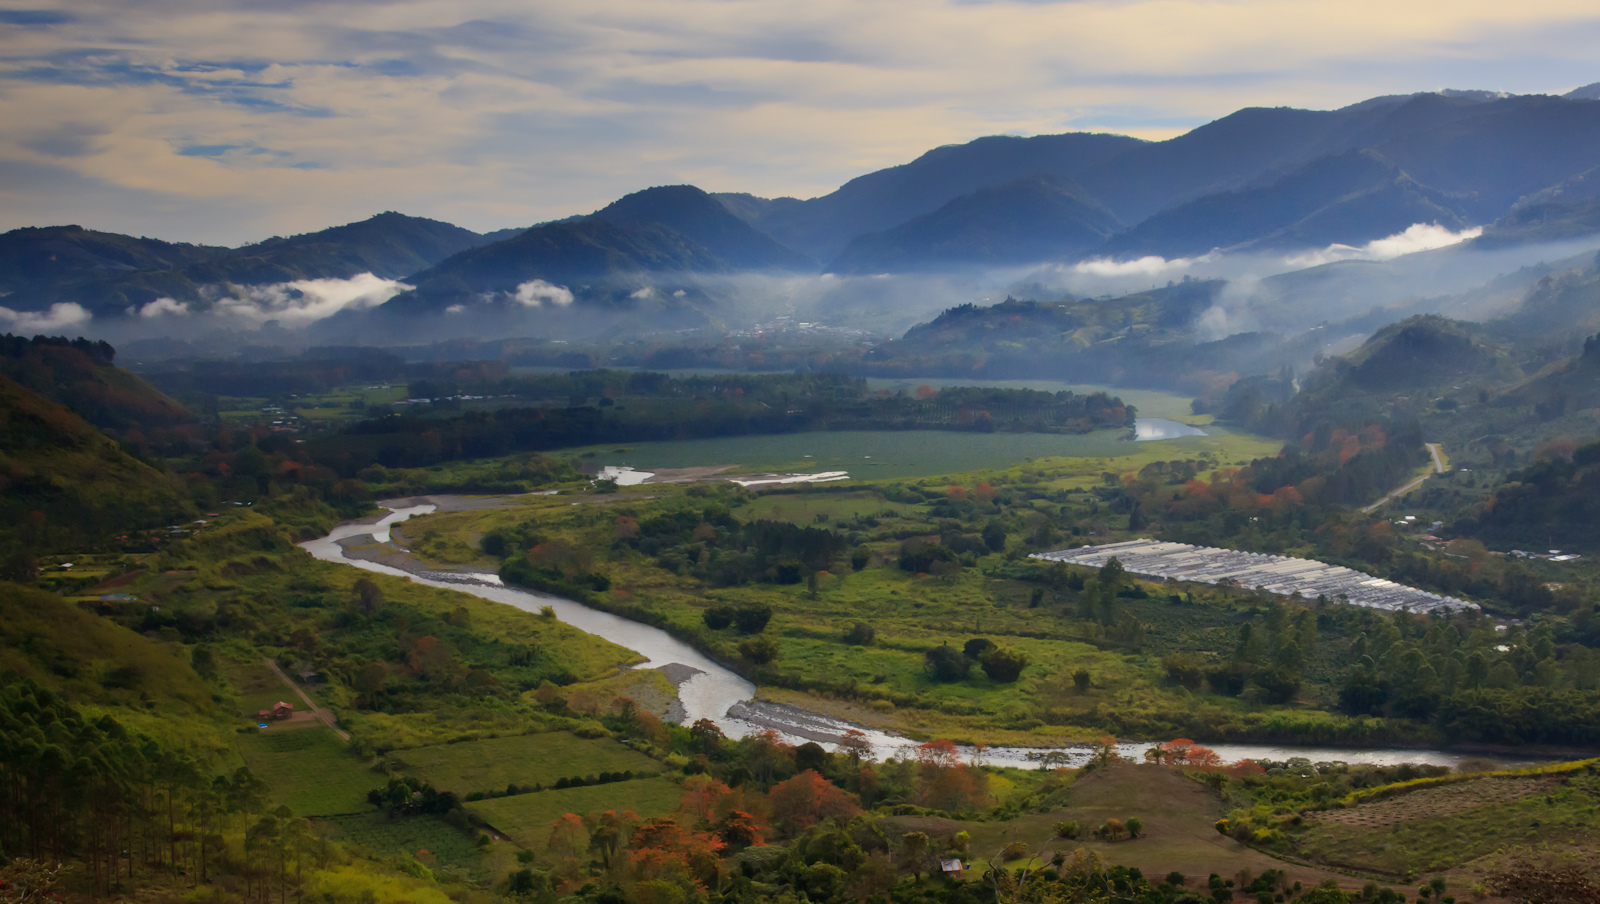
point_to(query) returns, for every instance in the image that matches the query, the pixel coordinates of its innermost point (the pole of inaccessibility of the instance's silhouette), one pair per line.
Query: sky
(226, 122)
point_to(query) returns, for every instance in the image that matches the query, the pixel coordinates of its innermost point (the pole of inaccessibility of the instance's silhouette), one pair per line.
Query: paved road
(322, 715)
(1438, 468)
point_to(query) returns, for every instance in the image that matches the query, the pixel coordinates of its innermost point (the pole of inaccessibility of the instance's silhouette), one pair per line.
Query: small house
(952, 868)
(279, 711)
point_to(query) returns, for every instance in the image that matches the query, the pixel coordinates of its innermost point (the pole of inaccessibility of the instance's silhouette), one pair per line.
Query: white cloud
(1416, 237)
(1151, 265)
(647, 293)
(536, 292)
(163, 306)
(455, 309)
(307, 300)
(60, 316)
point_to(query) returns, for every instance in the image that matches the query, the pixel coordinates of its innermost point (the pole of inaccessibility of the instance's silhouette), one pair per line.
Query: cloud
(537, 292)
(306, 301)
(61, 315)
(1151, 266)
(1416, 237)
(163, 306)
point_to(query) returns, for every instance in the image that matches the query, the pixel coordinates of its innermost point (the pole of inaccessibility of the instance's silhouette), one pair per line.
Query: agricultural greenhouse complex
(1276, 574)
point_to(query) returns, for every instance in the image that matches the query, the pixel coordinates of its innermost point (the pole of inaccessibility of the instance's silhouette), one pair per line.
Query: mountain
(1036, 218)
(701, 218)
(108, 274)
(589, 259)
(880, 200)
(1587, 92)
(390, 245)
(1352, 199)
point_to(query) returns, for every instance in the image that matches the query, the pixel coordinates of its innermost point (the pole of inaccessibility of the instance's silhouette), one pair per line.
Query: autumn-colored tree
(567, 843)
(807, 799)
(431, 658)
(946, 783)
(855, 744)
(707, 737)
(700, 796)
(626, 528)
(739, 830)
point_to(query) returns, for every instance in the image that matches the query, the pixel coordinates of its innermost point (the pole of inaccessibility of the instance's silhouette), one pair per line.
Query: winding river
(719, 694)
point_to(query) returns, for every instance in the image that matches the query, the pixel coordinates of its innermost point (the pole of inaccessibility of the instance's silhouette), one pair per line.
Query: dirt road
(321, 714)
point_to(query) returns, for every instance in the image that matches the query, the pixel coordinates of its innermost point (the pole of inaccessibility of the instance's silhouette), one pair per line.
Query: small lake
(718, 689)
(1153, 428)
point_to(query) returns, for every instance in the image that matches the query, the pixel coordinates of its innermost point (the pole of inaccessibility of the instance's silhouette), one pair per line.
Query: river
(726, 698)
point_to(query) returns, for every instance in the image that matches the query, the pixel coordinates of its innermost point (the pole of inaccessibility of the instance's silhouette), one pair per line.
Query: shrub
(752, 619)
(1081, 679)
(1112, 830)
(1004, 665)
(1016, 850)
(1068, 830)
(717, 617)
(947, 663)
(1174, 878)
(758, 650)
(1135, 826)
(862, 635)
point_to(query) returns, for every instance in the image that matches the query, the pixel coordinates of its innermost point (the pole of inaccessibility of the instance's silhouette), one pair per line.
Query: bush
(978, 647)
(1081, 679)
(1004, 665)
(1135, 825)
(758, 650)
(1068, 830)
(946, 663)
(862, 635)
(752, 619)
(717, 617)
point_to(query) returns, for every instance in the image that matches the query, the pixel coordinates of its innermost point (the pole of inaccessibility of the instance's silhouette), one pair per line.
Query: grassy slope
(310, 770)
(491, 764)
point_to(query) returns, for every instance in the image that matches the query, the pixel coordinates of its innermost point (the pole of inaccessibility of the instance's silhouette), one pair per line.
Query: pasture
(494, 763)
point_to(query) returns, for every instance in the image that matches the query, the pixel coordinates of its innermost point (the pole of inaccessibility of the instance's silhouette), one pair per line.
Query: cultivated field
(492, 764)
(1446, 829)
(429, 839)
(526, 818)
(310, 770)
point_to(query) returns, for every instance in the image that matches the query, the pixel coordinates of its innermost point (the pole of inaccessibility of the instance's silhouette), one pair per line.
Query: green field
(424, 837)
(310, 770)
(526, 818)
(890, 454)
(492, 764)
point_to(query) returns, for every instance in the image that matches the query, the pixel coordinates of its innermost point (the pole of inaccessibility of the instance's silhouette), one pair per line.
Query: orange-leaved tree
(807, 799)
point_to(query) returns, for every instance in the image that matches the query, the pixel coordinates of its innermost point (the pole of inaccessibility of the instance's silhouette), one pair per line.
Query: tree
(368, 596)
(1004, 666)
(717, 617)
(947, 663)
(978, 647)
(994, 536)
(1081, 679)
(855, 744)
(806, 799)
(1135, 825)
